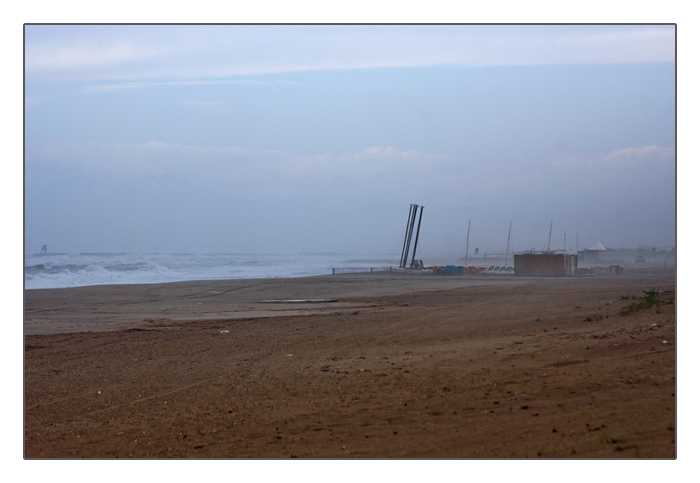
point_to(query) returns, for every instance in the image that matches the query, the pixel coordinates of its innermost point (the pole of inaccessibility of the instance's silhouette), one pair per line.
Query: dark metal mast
(414, 208)
(413, 258)
(405, 238)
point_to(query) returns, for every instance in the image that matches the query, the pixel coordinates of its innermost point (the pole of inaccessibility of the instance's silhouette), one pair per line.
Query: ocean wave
(73, 270)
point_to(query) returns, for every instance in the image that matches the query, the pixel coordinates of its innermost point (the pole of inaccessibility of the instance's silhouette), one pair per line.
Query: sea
(83, 269)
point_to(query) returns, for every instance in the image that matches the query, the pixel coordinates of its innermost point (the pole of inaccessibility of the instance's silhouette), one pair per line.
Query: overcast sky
(318, 138)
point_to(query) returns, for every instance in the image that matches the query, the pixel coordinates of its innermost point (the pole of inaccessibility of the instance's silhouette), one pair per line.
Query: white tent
(593, 251)
(597, 247)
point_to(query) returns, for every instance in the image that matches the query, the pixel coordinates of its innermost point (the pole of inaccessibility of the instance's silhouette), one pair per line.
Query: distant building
(592, 253)
(546, 264)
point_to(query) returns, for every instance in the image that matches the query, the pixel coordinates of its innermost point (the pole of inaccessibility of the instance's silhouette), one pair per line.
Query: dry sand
(387, 366)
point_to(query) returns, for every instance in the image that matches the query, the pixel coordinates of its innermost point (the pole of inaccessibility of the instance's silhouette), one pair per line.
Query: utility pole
(466, 256)
(505, 262)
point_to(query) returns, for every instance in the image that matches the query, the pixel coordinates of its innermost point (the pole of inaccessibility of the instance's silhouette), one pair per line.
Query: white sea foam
(73, 270)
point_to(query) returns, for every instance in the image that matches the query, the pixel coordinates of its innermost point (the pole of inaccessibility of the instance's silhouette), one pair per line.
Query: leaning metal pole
(414, 208)
(410, 233)
(413, 258)
(408, 223)
(505, 262)
(466, 256)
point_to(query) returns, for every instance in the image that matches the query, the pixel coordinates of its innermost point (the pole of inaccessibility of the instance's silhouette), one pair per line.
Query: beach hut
(547, 264)
(593, 252)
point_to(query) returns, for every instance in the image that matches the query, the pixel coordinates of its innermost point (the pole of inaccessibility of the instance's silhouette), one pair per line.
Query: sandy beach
(371, 365)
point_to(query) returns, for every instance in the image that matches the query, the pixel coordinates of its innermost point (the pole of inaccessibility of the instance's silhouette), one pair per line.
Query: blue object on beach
(323, 369)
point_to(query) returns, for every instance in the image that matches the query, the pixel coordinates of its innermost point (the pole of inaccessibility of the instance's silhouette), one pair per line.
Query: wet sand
(382, 366)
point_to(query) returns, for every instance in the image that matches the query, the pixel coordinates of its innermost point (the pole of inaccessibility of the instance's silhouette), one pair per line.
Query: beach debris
(223, 331)
(664, 342)
(324, 369)
(100, 392)
(289, 355)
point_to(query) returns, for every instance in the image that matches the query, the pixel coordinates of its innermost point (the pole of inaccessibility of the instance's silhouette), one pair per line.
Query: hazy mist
(317, 139)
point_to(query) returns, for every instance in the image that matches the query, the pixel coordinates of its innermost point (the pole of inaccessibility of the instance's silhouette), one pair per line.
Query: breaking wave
(74, 270)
